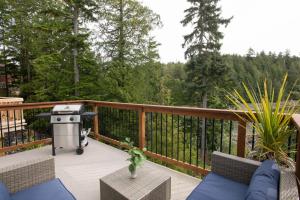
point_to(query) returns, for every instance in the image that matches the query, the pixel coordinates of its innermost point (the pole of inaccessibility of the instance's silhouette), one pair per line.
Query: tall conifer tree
(205, 69)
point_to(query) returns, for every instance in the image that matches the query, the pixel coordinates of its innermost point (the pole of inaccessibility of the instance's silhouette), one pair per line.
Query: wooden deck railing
(181, 136)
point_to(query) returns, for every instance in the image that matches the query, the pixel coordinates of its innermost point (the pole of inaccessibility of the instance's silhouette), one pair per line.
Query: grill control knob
(58, 119)
(71, 119)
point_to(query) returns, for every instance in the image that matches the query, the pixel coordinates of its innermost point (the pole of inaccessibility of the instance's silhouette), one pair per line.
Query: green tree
(125, 45)
(79, 10)
(123, 32)
(205, 69)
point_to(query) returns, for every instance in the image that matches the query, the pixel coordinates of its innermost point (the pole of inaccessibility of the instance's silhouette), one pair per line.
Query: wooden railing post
(241, 140)
(142, 121)
(298, 156)
(296, 121)
(96, 122)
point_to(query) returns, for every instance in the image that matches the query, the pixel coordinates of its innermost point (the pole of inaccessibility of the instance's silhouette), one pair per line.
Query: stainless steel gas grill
(67, 127)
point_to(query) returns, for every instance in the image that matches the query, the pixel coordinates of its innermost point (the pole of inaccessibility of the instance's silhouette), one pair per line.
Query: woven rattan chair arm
(27, 174)
(288, 185)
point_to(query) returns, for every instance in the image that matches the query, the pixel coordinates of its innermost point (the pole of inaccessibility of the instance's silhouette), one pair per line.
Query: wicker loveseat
(230, 178)
(32, 180)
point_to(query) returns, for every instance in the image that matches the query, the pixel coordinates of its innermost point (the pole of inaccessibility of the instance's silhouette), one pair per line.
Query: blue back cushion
(264, 182)
(4, 194)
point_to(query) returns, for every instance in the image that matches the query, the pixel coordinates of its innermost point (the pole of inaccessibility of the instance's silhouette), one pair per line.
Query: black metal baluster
(137, 127)
(147, 131)
(8, 131)
(104, 119)
(205, 131)
(156, 127)
(222, 131)
(129, 125)
(1, 130)
(107, 126)
(178, 124)
(166, 135)
(113, 119)
(172, 145)
(184, 140)
(230, 136)
(122, 123)
(191, 135)
(33, 120)
(289, 146)
(151, 118)
(28, 129)
(113, 123)
(15, 125)
(297, 135)
(99, 121)
(253, 137)
(119, 124)
(161, 133)
(213, 135)
(39, 122)
(109, 117)
(101, 117)
(198, 145)
(134, 124)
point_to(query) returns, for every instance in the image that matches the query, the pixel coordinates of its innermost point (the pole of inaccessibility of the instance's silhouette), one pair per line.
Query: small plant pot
(133, 174)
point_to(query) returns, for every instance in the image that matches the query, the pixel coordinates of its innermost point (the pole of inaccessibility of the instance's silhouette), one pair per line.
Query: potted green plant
(270, 114)
(137, 157)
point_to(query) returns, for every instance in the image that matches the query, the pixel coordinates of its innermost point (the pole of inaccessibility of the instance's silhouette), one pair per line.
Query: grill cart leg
(79, 150)
(53, 147)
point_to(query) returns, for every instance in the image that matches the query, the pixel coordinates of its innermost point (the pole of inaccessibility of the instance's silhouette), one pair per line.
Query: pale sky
(269, 25)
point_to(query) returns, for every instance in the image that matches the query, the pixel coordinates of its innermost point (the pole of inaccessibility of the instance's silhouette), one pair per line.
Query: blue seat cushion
(264, 182)
(4, 193)
(216, 187)
(51, 190)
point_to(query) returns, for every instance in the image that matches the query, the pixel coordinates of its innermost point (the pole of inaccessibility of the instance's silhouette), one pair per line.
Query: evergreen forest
(104, 50)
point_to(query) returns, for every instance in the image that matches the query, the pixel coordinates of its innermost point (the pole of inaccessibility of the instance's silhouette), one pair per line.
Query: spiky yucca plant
(271, 117)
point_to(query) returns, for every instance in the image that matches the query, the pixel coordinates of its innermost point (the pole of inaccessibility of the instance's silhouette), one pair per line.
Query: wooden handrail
(26, 106)
(177, 110)
(191, 111)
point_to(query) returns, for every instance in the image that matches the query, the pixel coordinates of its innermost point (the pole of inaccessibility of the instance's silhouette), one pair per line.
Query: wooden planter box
(11, 118)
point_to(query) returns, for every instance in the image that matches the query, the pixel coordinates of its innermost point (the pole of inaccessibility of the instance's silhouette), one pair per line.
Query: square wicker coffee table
(150, 184)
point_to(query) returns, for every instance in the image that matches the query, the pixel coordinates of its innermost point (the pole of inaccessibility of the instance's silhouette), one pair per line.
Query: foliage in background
(271, 113)
(37, 45)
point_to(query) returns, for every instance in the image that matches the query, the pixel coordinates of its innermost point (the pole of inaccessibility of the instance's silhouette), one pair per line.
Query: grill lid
(74, 109)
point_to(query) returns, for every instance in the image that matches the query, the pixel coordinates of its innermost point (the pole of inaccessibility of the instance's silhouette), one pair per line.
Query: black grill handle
(87, 115)
(43, 115)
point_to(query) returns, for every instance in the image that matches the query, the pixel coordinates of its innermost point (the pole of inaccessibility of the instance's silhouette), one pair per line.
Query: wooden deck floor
(81, 173)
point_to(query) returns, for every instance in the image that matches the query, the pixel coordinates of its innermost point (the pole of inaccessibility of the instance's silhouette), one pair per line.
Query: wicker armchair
(242, 169)
(27, 174)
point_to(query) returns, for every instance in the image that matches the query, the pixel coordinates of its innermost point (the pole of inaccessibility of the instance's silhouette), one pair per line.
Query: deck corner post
(142, 128)
(298, 156)
(241, 138)
(96, 122)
